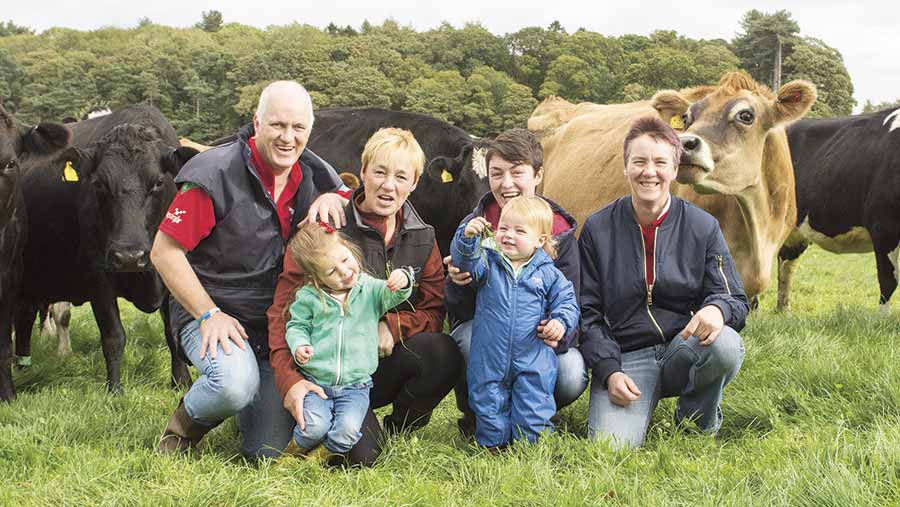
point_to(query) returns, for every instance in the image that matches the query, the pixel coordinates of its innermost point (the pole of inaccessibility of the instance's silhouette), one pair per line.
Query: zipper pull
(649, 295)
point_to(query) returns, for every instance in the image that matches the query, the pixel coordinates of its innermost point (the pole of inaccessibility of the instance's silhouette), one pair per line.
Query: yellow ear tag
(446, 177)
(677, 122)
(69, 173)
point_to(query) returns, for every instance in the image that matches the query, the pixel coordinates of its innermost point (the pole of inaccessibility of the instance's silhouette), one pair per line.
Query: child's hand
(476, 227)
(398, 280)
(551, 332)
(303, 354)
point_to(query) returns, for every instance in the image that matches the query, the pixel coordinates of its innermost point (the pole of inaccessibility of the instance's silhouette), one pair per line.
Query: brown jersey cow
(736, 163)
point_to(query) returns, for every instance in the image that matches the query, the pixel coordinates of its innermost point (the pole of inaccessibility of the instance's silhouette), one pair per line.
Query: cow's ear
(45, 138)
(671, 106)
(75, 164)
(441, 169)
(794, 101)
(172, 160)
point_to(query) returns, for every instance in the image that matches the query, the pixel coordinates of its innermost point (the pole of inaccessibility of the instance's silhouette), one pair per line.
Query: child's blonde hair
(535, 212)
(395, 139)
(309, 249)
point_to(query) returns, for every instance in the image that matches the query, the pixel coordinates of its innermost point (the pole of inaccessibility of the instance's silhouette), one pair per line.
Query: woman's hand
(385, 339)
(706, 325)
(476, 227)
(398, 280)
(622, 390)
(461, 278)
(293, 400)
(217, 330)
(303, 354)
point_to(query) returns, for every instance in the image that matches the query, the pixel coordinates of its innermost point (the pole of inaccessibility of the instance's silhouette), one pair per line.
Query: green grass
(813, 419)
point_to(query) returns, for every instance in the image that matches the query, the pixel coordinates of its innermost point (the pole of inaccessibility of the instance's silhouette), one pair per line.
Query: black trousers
(417, 375)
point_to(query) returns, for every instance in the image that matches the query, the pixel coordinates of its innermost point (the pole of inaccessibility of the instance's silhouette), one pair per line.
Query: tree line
(206, 78)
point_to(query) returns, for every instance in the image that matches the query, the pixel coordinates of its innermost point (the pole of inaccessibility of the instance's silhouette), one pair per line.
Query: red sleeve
(345, 192)
(190, 217)
(280, 358)
(428, 316)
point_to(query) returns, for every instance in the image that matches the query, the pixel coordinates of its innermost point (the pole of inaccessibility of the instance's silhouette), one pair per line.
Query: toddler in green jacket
(333, 334)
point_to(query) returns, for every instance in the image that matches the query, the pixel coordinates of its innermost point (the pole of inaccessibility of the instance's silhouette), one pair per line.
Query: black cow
(19, 145)
(848, 193)
(454, 178)
(92, 218)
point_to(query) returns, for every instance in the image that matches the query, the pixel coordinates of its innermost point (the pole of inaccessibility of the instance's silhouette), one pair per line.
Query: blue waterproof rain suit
(511, 372)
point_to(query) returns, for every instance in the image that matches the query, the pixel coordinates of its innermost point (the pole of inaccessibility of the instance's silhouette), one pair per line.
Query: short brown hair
(658, 130)
(517, 146)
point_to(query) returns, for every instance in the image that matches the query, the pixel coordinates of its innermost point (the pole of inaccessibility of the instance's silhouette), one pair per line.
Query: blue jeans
(695, 373)
(571, 373)
(337, 420)
(240, 384)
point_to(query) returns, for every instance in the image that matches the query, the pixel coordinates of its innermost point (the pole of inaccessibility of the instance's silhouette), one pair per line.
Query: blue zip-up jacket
(460, 301)
(619, 312)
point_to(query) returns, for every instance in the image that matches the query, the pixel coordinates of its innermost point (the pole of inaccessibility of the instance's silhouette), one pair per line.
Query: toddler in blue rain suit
(511, 371)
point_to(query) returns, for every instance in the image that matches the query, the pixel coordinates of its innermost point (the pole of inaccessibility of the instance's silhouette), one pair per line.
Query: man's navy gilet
(239, 262)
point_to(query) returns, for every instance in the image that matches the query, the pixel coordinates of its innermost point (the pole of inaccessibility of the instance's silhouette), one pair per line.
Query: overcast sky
(865, 32)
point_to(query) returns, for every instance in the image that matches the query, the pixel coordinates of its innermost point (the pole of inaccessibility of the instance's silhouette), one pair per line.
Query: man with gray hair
(219, 251)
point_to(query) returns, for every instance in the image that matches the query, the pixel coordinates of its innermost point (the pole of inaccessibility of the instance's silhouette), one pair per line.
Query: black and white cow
(455, 176)
(19, 145)
(848, 193)
(92, 216)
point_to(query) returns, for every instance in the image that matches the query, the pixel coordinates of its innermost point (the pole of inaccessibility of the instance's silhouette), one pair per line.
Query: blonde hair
(535, 212)
(309, 249)
(394, 139)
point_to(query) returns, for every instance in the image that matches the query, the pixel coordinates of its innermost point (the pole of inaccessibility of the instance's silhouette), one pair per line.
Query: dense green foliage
(812, 420)
(206, 79)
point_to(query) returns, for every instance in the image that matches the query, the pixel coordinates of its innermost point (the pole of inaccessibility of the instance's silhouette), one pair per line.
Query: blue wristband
(209, 313)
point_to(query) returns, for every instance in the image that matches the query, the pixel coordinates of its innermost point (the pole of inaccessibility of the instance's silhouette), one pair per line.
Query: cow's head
(127, 184)
(724, 128)
(449, 189)
(19, 142)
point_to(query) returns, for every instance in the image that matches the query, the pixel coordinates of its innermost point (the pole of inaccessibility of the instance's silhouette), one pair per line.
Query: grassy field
(813, 419)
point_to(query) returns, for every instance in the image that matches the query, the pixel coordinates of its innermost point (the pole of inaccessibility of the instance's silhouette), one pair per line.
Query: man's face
(650, 170)
(510, 180)
(283, 130)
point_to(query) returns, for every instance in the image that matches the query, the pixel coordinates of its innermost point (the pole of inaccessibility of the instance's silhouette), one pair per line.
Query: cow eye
(10, 164)
(746, 116)
(686, 120)
(99, 186)
(159, 183)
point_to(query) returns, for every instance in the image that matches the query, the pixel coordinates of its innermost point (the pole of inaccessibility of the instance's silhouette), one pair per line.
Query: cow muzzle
(696, 159)
(129, 260)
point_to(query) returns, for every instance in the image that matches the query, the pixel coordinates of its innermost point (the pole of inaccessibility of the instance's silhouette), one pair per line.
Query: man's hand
(398, 280)
(217, 330)
(328, 207)
(293, 400)
(551, 331)
(385, 339)
(461, 278)
(303, 354)
(476, 227)
(622, 390)
(706, 325)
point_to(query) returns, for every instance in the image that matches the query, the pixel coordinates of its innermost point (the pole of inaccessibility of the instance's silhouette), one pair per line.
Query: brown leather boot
(182, 433)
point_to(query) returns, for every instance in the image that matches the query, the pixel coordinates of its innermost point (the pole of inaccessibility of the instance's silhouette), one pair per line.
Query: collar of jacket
(675, 209)
(488, 198)
(411, 219)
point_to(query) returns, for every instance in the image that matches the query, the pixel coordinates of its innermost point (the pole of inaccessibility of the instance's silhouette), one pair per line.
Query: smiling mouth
(386, 199)
(510, 195)
(649, 184)
(284, 149)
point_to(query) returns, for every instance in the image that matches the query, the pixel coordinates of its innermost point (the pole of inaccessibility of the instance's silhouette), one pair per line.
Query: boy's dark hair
(517, 146)
(658, 130)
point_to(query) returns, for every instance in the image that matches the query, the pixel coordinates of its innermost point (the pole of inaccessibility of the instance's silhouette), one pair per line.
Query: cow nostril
(690, 143)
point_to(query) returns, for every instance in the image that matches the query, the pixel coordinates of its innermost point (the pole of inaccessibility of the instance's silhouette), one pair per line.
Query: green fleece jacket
(344, 342)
